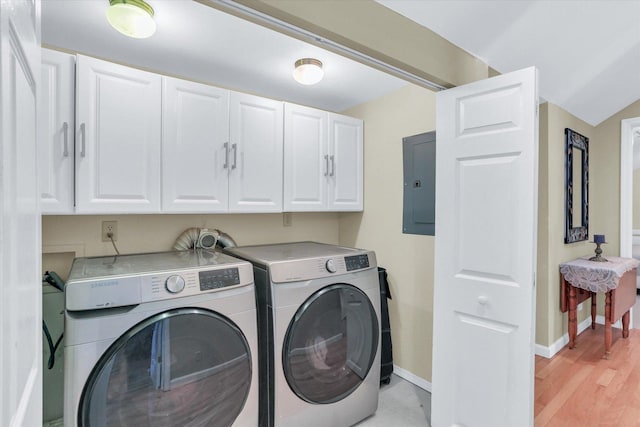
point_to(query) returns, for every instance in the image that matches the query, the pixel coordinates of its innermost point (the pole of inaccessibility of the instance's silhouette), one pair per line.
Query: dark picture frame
(576, 193)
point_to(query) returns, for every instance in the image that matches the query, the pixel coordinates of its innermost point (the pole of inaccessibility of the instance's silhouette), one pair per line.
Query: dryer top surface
(292, 251)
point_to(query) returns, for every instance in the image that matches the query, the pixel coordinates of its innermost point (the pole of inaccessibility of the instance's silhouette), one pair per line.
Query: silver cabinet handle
(84, 142)
(333, 166)
(235, 155)
(65, 131)
(226, 155)
(326, 164)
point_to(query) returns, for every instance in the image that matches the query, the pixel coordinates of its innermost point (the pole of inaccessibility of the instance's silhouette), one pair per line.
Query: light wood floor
(579, 388)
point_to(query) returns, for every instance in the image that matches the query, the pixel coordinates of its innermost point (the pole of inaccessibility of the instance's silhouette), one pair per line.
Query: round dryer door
(330, 344)
(183, 367)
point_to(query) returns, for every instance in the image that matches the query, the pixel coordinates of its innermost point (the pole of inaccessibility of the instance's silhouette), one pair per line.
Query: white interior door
(486, 218)
(20, 248)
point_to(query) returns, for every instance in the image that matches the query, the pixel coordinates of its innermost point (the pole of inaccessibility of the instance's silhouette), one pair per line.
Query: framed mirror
(576, 187)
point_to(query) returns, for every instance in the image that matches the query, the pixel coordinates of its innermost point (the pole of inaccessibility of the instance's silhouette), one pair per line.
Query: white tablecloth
(597, 276)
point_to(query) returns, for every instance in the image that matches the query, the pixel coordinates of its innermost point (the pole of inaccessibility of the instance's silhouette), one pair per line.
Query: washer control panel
(330, 265)
(174, 284)
(216, 279)
(135, 289)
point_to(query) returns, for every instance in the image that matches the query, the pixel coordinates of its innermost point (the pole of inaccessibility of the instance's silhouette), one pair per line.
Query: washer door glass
(330, 344)
(184, 367)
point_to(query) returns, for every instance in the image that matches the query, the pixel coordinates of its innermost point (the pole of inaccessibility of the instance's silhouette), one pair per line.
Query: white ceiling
(200, 43)
(587, 52)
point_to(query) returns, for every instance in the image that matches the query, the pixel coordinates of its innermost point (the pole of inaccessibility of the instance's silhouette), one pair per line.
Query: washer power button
(330, 266)
(174, 284)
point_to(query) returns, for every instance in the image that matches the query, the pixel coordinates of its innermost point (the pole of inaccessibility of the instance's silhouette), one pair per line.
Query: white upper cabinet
(56, 129)
(345, 163)
(118, 127)
(306, 159)
(323, 156)
(143, 143)
(255, 154)
(195, 142)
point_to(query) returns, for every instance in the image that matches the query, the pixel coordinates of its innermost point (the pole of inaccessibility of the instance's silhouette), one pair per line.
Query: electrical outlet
(286, 219)
(109, 227)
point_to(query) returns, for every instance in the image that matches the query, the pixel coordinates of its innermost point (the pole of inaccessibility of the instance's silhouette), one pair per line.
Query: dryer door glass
(330, 344)
(184, 367)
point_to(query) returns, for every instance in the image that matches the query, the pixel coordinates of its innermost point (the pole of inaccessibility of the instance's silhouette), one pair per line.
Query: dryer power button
(174, 284)
(330, 266)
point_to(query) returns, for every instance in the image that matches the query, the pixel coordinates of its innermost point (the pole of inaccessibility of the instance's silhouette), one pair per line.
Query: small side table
(583, 279)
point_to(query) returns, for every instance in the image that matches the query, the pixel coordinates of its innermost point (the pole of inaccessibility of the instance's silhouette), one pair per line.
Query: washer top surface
(115, 281)
(292, 251)
(120, 265)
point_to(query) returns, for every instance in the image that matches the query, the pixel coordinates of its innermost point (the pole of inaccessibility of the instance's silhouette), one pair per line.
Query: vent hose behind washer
(189, 238)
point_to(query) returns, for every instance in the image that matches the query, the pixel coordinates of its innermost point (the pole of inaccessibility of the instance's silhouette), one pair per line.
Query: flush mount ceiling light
(133, 18)
(308, 71)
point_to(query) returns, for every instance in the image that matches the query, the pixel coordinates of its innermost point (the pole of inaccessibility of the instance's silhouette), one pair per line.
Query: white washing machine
(161, 339)
(319, 333)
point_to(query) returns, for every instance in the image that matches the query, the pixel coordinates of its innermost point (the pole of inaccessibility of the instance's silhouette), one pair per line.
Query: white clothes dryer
(161, 339)
(319, 333)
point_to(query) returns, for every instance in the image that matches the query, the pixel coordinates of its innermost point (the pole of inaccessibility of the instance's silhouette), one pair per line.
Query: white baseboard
(412, 378)
(549, 352)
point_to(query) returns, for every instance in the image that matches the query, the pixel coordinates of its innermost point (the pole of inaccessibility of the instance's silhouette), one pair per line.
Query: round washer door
(183, 367)
(330, 344)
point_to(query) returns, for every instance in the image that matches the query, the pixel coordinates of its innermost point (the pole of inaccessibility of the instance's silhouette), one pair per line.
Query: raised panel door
(345, 163)
(117, 138)
(485, 252)
(195, 138)
(306, 159)
(255, 156)
(20, 222)
(56, 125)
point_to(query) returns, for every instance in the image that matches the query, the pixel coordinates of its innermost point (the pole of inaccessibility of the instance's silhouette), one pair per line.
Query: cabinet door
(345, 163)
(117, 138)
(255, 176)
(306, 159)
(195, 136)
(56, 125)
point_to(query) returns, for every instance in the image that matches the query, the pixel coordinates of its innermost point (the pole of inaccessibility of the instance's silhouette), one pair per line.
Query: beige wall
(387, 36)
(551, 324)
(408, 258)
(80, 235)
(542, 273)
(604, 158)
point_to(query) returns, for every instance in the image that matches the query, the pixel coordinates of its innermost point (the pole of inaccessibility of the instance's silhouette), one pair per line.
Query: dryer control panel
(316, 268)
(356, 262)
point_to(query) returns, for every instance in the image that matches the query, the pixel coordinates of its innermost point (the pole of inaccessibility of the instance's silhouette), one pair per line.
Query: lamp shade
(308, 71)
(133, 18)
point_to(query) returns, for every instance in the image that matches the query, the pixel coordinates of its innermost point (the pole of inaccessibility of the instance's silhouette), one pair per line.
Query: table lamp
(598, 239)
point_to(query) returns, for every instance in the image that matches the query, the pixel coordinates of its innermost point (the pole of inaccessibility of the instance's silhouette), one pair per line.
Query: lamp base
(598, 257)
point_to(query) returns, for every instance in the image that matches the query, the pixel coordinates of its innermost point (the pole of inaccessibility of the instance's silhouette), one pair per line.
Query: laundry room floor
(401, 404)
